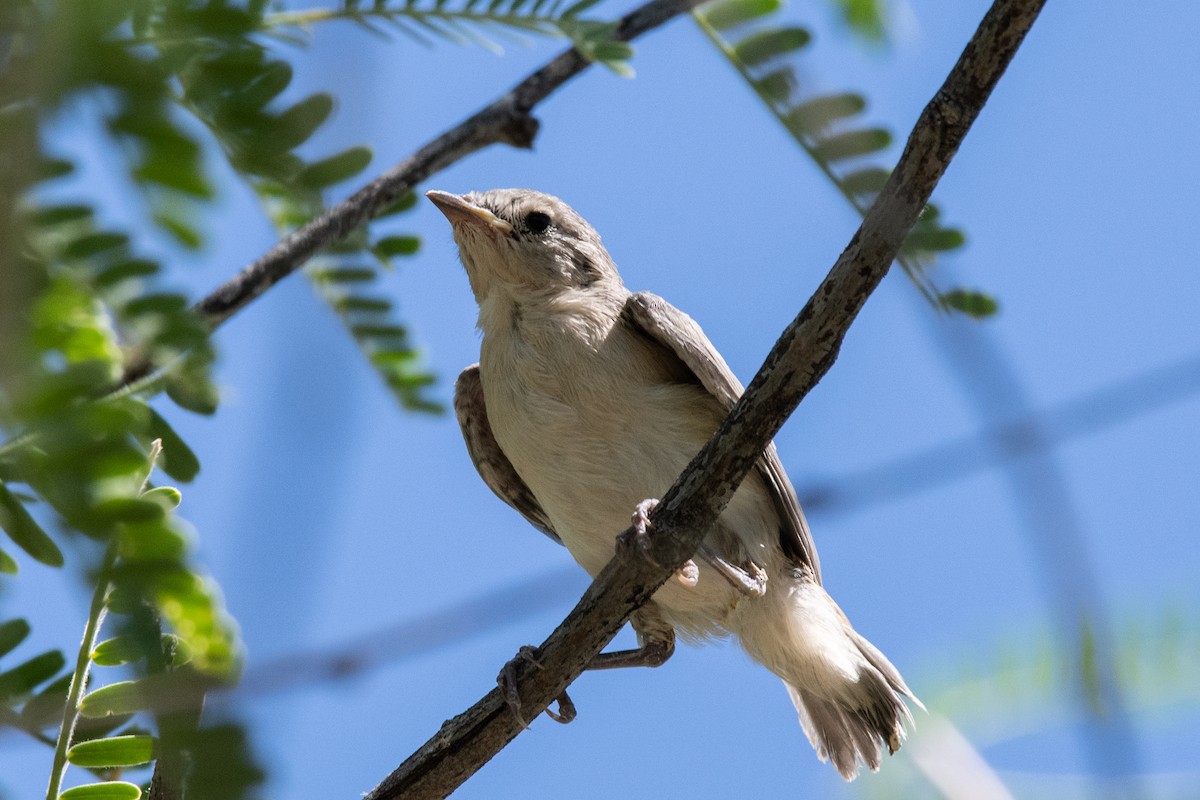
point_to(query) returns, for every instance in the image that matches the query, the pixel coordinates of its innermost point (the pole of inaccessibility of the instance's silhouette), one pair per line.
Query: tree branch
(801, 356)
(507, 120)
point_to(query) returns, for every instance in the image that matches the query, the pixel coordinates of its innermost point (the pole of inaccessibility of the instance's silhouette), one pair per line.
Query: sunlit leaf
(115, 751)
(7, 565)
(125, 697)
(109, 790)
(727, 14)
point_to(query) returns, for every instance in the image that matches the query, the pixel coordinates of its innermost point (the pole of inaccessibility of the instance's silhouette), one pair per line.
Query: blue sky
(325, 514)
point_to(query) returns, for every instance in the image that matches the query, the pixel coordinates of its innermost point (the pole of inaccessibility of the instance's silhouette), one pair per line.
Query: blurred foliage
(169, 82)
(1024, 685)
(480, 22)
(827, 127)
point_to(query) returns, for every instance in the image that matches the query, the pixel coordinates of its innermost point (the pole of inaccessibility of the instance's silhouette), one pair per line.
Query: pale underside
(607, 415)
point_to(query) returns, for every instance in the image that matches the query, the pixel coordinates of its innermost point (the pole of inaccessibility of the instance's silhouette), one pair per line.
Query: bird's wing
(674, 330)
(494, 467)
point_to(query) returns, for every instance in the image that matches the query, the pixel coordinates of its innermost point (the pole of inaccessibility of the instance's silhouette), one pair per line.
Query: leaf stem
(83, 664)
(911, 266)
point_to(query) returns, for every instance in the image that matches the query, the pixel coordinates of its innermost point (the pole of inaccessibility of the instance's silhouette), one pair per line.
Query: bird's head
(531, 245)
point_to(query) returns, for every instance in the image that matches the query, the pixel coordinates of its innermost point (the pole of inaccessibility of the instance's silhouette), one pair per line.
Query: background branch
(801, 356)
(506, 120)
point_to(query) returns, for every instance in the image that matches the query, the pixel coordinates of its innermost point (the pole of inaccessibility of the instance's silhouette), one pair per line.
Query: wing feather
(489, 459)
(679, 334)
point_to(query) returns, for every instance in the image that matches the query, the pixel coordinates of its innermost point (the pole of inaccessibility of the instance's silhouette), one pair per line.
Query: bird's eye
(537, 222)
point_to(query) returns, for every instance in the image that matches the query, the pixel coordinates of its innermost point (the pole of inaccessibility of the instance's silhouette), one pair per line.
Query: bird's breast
(592, 431)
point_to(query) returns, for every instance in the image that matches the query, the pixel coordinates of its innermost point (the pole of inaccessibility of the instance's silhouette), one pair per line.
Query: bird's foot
(750, 581)
(507, 681)
(638, 536)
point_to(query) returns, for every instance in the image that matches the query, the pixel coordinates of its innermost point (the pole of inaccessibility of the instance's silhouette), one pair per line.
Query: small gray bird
(587, 400)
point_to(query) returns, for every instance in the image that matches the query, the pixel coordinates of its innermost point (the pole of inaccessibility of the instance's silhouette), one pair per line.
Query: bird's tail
(849, 697)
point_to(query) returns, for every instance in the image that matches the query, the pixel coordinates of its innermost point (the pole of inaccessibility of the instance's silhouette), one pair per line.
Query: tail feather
(848, 696)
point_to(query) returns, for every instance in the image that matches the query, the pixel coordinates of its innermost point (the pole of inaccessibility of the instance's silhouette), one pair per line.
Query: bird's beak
(458, 210)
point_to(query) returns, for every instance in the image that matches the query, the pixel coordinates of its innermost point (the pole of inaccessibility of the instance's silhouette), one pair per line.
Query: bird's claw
(688, 573)
(507, 681)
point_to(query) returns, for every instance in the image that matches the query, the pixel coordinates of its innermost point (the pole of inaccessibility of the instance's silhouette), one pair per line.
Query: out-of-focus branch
(507, 120)
(801, 356)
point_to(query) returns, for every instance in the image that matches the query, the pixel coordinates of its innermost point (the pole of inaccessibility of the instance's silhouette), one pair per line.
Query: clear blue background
(326, 515)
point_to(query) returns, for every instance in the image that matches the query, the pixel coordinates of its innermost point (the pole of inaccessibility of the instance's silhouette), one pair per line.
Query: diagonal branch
(801, 356)
(507, 120)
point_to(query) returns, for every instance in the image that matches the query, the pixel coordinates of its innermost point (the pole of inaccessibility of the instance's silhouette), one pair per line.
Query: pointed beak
(461, 212)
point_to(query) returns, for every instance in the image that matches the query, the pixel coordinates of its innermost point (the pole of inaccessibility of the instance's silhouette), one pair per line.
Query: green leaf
(725, 15)
(93, 244)
(575, 9)
(852, 144)
(177, 459)
(815, 115)
(866, 181)
(758, 48)
(117, 651)
(56, 215)
(295, 125)
(12, 633)
(778, 85)
(191, 389)
(21, 680)
(865, 17)
(47, 705)
(362, 305)
(51, 168)
(269, 84)
(109, 790)
(343, 274)
(405, 202)
(123, 271)
(25, 533)
(124, 697)
(117, 751)
(158, 303)
(7, 565)
(128, 510)
(972, 303)
(166, 496)
(934, 239)
(183, 233)
(378, 331)
(335, 169)
(153, 542)
(390, 246)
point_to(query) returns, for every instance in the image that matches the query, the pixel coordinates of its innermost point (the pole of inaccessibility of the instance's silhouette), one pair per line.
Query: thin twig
(799, 358)
(507, 120)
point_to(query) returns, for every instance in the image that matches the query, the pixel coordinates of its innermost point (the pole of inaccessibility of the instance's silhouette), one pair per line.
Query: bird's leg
(688, 573)
(507, 681)
(752, 582)
(656, 643)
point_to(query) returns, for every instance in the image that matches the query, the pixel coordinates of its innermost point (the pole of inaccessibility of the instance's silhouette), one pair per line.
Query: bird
(587, 403)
